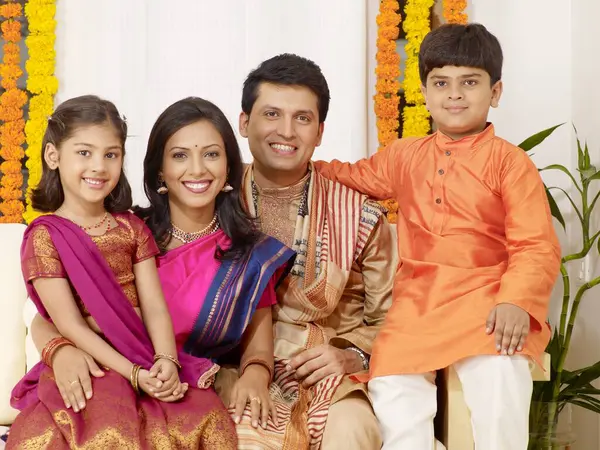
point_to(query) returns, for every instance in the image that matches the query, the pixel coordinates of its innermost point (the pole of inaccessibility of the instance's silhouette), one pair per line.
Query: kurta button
(448, 153)
(438, 200)
(441, 171)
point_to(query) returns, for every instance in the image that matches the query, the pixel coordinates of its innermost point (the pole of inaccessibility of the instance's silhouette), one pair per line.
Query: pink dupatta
(103, 297)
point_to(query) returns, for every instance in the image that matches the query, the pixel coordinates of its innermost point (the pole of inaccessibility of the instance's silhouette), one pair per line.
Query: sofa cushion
(12, 329)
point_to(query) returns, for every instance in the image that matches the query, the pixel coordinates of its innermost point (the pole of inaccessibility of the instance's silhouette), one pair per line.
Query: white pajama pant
(497, 390)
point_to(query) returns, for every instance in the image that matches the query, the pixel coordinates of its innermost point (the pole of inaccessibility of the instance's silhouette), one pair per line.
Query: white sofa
(19, 353)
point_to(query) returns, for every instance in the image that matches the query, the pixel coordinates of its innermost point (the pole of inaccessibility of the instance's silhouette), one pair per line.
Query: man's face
(282, 128)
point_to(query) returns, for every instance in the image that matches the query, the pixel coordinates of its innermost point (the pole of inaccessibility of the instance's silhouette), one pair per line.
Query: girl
(90, 269)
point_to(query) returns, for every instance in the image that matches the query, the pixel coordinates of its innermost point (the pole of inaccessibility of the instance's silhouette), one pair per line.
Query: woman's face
(194, 166)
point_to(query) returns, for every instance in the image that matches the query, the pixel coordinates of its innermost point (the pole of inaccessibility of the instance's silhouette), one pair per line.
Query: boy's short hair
(470, 45)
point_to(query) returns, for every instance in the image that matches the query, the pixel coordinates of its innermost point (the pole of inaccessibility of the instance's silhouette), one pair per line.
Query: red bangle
(259, 361)
(51, 348)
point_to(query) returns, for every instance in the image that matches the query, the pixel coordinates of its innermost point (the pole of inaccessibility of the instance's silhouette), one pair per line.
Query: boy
(479, 255)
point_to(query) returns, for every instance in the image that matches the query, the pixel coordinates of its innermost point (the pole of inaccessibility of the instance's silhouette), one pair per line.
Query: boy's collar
(474, 140)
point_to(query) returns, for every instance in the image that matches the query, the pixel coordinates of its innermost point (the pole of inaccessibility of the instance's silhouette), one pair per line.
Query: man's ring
(255, 399)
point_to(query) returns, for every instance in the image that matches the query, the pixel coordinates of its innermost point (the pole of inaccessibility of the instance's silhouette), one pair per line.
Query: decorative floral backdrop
(20, 139)
(415, 20)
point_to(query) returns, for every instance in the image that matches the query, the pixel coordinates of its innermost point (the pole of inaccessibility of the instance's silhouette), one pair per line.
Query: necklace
(186, 237)
(105, 219)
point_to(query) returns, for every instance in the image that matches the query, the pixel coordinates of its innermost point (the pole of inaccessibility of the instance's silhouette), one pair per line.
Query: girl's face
(89, 163)
(194, 166)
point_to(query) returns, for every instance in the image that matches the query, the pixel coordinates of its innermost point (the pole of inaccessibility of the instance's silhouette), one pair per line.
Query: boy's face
(459, 99)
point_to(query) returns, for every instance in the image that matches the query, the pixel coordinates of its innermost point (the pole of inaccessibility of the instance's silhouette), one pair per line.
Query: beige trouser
(351, 425)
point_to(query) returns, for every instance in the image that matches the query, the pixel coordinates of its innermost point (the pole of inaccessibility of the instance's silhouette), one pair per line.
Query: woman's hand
(72, 368)
(253, 388)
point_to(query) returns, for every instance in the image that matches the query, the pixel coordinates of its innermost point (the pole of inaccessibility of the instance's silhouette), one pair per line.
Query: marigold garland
(454, 11)
(387, 101)
(416, 25)
(42, 84)
(12, 136)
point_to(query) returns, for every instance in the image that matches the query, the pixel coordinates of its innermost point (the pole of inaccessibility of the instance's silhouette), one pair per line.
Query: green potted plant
(567, 387)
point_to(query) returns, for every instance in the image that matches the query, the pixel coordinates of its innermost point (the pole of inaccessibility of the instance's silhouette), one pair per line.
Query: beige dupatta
(327, 241)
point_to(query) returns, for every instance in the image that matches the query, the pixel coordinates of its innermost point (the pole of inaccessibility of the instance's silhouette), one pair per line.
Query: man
(334, 301)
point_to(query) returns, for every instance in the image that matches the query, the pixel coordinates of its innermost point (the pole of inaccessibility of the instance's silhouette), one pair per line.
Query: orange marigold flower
(10, 10)
(12, 180)
(453, 11)
(10, 71)
(11, 153)
(11, 166)
(10, 194)
(13, 97)
(11, 30)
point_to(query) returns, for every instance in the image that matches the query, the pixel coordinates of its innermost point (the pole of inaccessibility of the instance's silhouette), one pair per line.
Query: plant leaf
(586, 156)
(586, 405)
(564, 170)
(538, 138)
(579, 216)
(554, 209)
(585, 376)
(594, 176)
(580, 155)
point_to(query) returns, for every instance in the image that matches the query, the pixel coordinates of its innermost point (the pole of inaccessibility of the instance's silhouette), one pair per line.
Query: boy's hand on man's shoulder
(510, 325)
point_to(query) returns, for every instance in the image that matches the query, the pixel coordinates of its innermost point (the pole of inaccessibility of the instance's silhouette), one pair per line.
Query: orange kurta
(474, 230)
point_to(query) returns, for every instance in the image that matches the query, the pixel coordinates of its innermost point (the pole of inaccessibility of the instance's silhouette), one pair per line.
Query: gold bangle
(169, 357)
(133, 377)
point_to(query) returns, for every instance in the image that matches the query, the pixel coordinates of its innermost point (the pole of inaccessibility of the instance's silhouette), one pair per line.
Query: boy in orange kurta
(479, 254)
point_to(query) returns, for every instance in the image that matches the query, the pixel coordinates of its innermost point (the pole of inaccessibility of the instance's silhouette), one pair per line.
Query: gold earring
(227, 188)
(162, 189)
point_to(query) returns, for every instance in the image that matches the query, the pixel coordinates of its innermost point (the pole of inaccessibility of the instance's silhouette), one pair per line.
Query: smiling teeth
(283, 148)
(92, 181)
(197, 185)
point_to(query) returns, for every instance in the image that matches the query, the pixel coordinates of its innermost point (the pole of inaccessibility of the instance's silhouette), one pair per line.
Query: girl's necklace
(105, 219)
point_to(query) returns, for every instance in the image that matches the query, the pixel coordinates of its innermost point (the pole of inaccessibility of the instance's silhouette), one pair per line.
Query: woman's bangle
(52, 347)
(169, 357)
(259, 361)
(134, 377)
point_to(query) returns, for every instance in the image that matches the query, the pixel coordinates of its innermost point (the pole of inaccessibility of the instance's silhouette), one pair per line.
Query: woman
(217, 272)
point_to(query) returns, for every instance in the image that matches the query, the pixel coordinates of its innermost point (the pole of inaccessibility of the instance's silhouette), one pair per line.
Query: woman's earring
(227, 188)
(162, 189)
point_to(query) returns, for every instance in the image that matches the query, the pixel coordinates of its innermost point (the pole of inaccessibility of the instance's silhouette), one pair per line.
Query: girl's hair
(69, 116)
(234, 221)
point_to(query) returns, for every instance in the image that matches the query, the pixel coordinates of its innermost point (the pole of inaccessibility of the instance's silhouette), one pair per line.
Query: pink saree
(212, 302)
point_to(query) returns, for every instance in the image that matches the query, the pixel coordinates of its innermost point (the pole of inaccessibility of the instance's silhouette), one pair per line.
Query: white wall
(549, 78)
(151, 54)
(585, 105)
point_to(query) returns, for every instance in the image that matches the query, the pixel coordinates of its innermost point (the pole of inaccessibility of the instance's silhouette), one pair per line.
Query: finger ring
(74, 382)
(255, 399)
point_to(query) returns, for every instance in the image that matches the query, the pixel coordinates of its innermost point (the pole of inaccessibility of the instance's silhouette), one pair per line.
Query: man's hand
(511, 325)
(320, 362)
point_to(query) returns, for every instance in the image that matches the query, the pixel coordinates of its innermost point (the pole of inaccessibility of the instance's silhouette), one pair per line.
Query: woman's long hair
(233, 219)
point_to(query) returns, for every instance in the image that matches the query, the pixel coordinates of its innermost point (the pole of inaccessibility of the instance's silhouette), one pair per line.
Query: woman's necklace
(186, 238)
